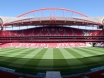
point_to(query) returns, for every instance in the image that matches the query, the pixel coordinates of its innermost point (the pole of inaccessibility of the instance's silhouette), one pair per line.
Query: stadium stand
(44, 31)
(6, 33)
(19, 33)
(52, 32)
(94, 74)
(36, 31)
(4, 74)
(13, 33)
(77, 32)
(49, 33)
(25, 33)
(61, 31)
(10, 73)
(69, 32)
(1, 33)
(97, 74)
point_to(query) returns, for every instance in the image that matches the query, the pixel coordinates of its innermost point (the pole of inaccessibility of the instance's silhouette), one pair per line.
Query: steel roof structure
(51, 19)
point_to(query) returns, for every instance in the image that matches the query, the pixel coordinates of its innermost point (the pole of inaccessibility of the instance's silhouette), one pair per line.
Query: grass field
(66, 60)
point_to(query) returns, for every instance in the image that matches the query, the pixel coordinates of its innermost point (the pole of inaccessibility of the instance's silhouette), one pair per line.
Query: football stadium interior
(52, 43)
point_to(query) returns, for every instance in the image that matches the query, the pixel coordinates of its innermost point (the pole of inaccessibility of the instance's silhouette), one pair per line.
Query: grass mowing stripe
(39, 56)
(85, 54)
(9, 60)
(94, 48)
(70, 53)
(36, 63)
(89, 52)
(77, 55)
(66, 54)
(97, 49)
(85, 51)
(4, 52)
(3, 56)
(48, 54)
(76, 63)
(14, 54)
(19, 62)
(88, 61)
(97, 59)
(47, 59)
(33, 53)
(19, 55)
(57, 54)
(59, 62)
(41, 63)
(27, 56)
(7, 49)
(92, 51)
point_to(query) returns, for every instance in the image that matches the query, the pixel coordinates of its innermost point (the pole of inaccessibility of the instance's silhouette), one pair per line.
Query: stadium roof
(52, 17)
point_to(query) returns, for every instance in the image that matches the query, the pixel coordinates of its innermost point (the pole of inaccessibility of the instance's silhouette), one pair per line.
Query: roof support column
(1, 24)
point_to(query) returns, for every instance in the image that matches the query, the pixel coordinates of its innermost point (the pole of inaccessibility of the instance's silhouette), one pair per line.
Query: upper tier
(52, 31)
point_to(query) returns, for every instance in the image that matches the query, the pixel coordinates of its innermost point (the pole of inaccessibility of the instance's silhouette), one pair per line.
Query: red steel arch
(64, 9)
(1, 21)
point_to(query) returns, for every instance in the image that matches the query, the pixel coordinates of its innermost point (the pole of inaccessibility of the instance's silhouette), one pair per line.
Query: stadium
(41, 42)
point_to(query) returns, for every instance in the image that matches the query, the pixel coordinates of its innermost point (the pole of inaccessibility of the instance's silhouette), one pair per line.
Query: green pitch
(66, 60)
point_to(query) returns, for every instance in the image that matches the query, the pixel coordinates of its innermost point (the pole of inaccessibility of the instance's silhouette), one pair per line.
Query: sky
(16, 7)
(13, 8)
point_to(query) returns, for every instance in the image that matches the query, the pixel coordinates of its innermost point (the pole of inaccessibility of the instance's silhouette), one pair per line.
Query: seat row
(43, 45)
